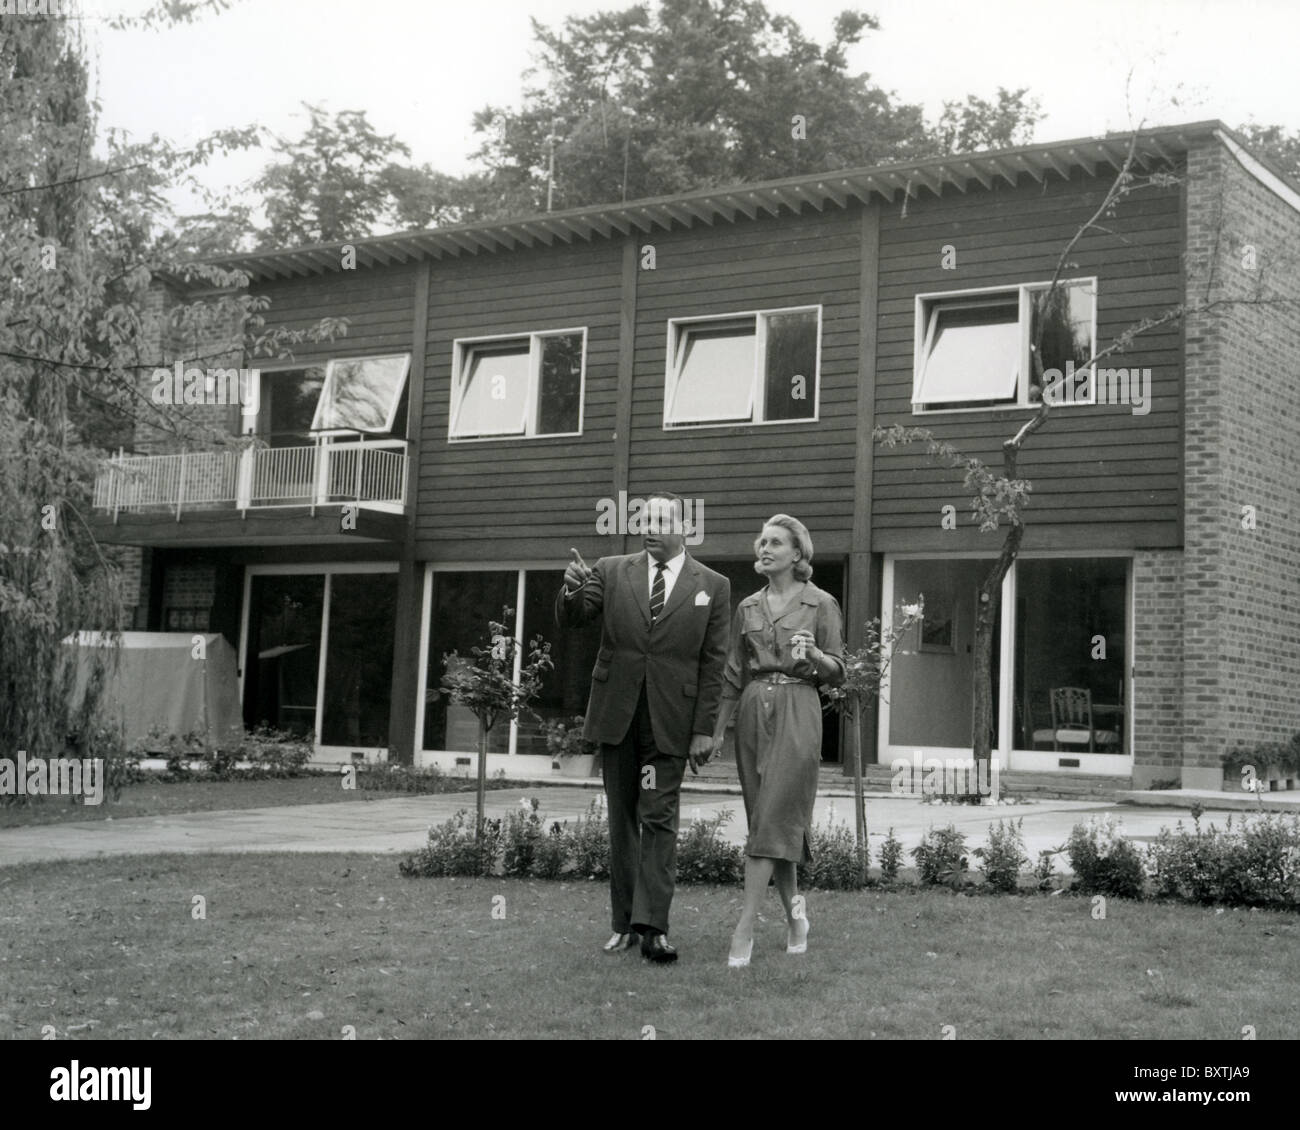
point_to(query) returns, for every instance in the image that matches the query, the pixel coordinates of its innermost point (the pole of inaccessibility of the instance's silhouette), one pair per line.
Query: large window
(930, 695)
(282, 651)
(1060, 666)
(742, 369)
(1071, 646)
(361, 394)
(462, 603)
(287, 405)
(530, 385)
(359, 660)
(974, 349)
(350, 613)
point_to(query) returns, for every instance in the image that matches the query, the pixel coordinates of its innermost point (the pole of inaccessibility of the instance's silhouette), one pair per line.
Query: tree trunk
(984, 718)
(482, 778)
(859, 800)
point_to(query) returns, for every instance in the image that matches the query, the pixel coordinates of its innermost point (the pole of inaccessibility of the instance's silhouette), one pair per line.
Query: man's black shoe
(655, 947)
(620, 942)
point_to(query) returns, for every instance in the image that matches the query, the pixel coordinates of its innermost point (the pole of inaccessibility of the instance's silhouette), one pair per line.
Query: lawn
(158, 798)
(306, 946)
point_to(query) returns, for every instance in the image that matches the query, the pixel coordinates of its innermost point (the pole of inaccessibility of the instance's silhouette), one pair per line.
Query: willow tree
(85, 236)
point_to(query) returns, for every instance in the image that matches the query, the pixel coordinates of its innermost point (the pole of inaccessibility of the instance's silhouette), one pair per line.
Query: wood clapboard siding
(519, 498)
(745, 474)
(377, 303)
(1101, 475)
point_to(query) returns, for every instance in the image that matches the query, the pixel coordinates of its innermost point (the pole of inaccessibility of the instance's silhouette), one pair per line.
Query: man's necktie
(657, 592)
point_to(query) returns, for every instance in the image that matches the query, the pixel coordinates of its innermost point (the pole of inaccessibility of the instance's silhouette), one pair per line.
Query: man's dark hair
(679, 519)
(677, 498)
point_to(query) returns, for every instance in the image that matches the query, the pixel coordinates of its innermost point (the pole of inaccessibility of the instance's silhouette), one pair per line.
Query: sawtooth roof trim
(885, 182)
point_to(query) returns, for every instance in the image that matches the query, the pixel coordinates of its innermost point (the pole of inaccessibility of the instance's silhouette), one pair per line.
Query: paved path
(400, 825)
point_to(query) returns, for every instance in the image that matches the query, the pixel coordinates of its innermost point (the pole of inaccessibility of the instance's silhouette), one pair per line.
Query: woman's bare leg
(786, 885)
(786, 876)
(758, 873)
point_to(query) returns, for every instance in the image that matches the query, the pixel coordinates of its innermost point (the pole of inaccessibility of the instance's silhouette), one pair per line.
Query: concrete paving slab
(400, 825)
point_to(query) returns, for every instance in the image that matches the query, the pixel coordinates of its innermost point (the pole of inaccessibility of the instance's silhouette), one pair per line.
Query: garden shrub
(1253, 864)
(259, 754)
(387, 776)
(1104, 862)
(703, 856)
(588, 842)
(891, 858)
(1256, 864)
(1004, 855)
(550, 854)
(834, 865)
(520, 838)
(453, 849)
(941, 856)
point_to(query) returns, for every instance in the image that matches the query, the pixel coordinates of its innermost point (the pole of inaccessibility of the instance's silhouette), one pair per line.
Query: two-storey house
(504, 388)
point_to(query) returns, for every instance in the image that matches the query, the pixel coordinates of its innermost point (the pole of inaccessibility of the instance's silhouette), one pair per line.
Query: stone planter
(1271, 781)
(575, 765)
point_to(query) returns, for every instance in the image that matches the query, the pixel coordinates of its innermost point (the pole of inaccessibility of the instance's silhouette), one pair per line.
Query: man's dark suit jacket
(680, 658)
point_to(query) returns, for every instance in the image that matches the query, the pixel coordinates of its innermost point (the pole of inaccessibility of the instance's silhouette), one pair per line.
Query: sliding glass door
(1060, 665)
(317, 653)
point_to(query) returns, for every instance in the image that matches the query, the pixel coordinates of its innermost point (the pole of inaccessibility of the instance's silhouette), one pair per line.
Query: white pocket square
(701, 598)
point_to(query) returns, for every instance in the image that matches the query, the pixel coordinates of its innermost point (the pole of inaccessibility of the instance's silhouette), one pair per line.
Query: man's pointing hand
(577, 573)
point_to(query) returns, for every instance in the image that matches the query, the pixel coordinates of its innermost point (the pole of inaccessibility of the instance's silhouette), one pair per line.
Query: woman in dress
(785, 640)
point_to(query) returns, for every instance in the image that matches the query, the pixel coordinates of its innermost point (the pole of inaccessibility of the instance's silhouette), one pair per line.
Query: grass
(159, 798)
(301, 946)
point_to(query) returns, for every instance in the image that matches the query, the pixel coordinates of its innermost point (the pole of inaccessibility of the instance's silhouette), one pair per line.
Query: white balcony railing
(371, 473)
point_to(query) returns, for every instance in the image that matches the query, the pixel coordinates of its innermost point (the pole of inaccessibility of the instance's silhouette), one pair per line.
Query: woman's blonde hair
(801, 538)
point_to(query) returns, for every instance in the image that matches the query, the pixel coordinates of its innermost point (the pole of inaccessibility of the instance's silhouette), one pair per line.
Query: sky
(421, 68)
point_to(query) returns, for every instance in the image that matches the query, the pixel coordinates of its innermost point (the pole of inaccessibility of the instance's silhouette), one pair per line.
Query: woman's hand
(803, 645)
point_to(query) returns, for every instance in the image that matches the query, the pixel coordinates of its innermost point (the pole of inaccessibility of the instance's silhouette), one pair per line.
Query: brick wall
(1158, 666)
(1241, 596)
(192, 585)
(167, 428)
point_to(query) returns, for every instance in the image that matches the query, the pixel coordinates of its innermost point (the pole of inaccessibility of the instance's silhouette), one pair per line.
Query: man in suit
(655, 689)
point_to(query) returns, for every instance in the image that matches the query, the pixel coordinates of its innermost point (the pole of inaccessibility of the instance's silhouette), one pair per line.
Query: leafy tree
(693, 93)
(327, 187)
(625, 104)
(85, 236)
(967, 127)
(1277, 145)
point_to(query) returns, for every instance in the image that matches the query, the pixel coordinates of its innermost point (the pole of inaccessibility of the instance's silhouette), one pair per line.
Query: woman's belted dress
(779, 717)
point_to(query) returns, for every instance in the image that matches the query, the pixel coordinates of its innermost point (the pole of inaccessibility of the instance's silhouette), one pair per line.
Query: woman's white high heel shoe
(800, 946)
(741, 962)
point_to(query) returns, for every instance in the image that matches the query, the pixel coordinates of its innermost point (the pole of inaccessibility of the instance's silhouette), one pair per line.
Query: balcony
(265, 489)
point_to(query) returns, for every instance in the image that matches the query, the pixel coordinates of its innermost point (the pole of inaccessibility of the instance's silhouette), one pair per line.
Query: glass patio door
(317, 653)
(1061, 663)
(1071, 702)
(930, 699)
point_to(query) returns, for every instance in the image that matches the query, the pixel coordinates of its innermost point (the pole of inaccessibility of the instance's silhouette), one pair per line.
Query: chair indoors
(1072, 722)
(1038, 736)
